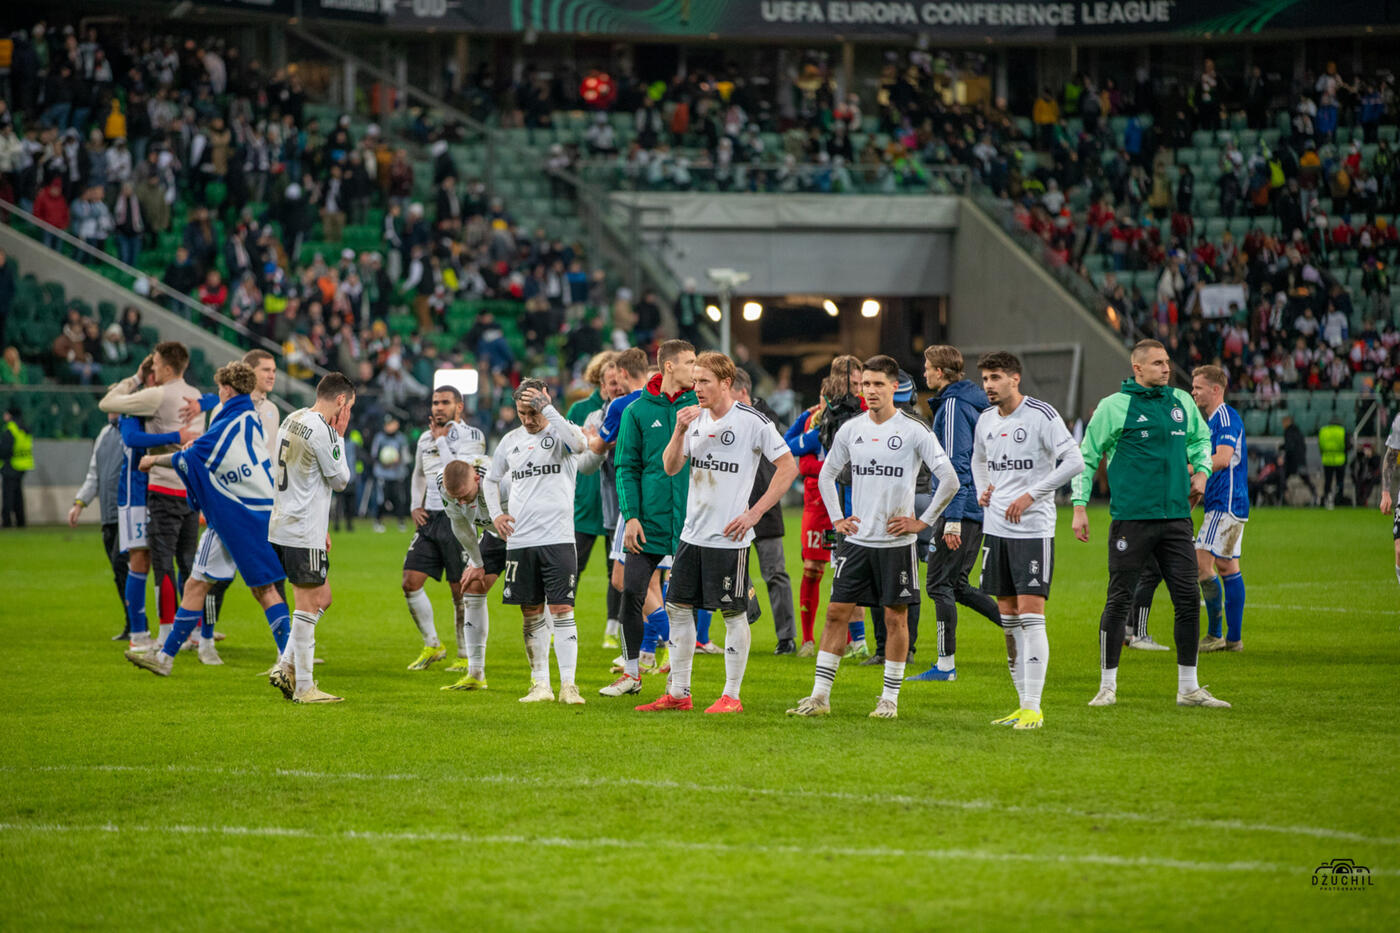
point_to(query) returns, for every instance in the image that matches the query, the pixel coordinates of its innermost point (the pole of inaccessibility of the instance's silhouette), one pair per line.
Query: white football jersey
(1017, 454)
(724, 456)
(310, 466)
(540, 470)
(884, 460)
(463, 441)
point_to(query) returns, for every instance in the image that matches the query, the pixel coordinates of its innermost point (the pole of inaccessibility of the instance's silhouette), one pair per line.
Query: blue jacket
(955, 412)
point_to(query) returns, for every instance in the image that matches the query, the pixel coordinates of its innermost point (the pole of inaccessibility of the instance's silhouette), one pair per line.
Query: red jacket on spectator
(51, 207)
(213, 298)
(1342, 235)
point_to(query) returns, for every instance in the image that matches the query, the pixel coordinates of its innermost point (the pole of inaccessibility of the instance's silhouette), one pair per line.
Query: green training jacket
(644, 491)
(588, 491)
(1149, 435)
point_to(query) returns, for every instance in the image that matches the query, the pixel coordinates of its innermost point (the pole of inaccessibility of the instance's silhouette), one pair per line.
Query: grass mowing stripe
(854, 797)
(878, 852)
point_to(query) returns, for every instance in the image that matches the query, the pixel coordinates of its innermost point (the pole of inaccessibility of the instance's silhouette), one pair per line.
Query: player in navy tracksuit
(958, 534)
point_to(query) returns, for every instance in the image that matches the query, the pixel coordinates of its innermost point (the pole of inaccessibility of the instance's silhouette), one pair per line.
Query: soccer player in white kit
(723, 440)
(874, 563)
(311, 465)
(1021, 453)
(1390, 471)
(434, 551)
(541, 562)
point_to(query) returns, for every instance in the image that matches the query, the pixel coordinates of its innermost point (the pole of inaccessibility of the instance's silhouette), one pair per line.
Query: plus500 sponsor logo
(1010, 464)
(876, 469)
(548, 469)
(718, 466)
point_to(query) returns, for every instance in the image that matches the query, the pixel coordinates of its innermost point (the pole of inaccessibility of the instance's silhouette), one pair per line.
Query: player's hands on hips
(146, 463)
(73, 514)
(905, 525)
(739, 526)
(188, 436)
(1385, 502)
(1081, 523)
(1198, 487)
(686, 415)
(1014, 510)
(633, 537)
(985, 499)
(420, 517)
(846, 526)
(505, 525)
(190, 410)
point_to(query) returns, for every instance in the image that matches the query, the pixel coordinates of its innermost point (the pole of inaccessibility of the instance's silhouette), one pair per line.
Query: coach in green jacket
(651, 503)
(1158, 449)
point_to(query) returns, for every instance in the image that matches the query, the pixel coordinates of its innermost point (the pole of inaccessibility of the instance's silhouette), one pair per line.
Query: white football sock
(566, 646)
(1036, 644)
(1186, 679)
(421, 608)
(459, 618)
(827, 663)
(683, 651)
(946, 662)
(894, 676)
(536, 630)
(612, 628)
(478, 625)
(737, 639)
(164, 632)
(303, 644)
(1397, 573)
(1012, 626)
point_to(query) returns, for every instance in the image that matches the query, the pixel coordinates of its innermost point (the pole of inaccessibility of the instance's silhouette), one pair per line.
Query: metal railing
(681, 173)
(195, 310)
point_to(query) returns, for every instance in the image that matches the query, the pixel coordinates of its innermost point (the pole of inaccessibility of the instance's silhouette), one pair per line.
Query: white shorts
(1221, 534)
(618, 553)
(131, 527)
(212, 562)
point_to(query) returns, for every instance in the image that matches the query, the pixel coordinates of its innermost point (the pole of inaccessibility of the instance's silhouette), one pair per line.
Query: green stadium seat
(1306, 421)
(1255, 421)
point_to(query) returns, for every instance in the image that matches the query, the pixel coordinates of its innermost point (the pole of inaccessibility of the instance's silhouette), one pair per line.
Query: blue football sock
(857, 630)
(186, 620)
(1214, 596)
(136, 601)
(206, 626)
(702, 626)
(657, 628)
(280, 621)
(1234, 606)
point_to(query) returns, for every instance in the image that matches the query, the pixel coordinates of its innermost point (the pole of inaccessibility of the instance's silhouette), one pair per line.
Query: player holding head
(1390, 471)
(227, 476)
(462, 488)
(723, 441)
(1158, 451)
(1022, 452)
(1226, 505)
(434, 550)
(875, 562)
(311, 465)
(541, 566)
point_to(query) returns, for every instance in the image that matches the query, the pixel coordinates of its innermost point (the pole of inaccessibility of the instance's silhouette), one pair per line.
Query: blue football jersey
(1227, 490)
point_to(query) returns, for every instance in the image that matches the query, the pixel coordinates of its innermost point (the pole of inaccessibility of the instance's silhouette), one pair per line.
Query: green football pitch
(207, 801)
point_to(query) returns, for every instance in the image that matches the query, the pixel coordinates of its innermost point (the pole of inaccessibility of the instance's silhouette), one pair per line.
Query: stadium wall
(59, 468)
(1000, 295)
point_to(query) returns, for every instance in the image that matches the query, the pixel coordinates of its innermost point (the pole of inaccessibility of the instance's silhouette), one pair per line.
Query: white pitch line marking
(978, 855)
(1320, 832)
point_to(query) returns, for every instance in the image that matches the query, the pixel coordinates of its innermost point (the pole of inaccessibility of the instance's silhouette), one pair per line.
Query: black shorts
(435, 549)
(1395, 529)
(304, 566)
(536, 576)
(874, 576)
(715, 578)
(1017, 566)
(493, 554)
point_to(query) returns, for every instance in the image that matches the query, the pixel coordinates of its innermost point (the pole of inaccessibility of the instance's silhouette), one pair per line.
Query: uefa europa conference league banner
(826, 19)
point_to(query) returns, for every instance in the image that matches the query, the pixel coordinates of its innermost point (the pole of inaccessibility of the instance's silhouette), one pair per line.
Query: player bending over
(1021, 453)
(311, 465)
(228, 477)
(723, 441)
(464, 501)
(875, 563)
(541, 565)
